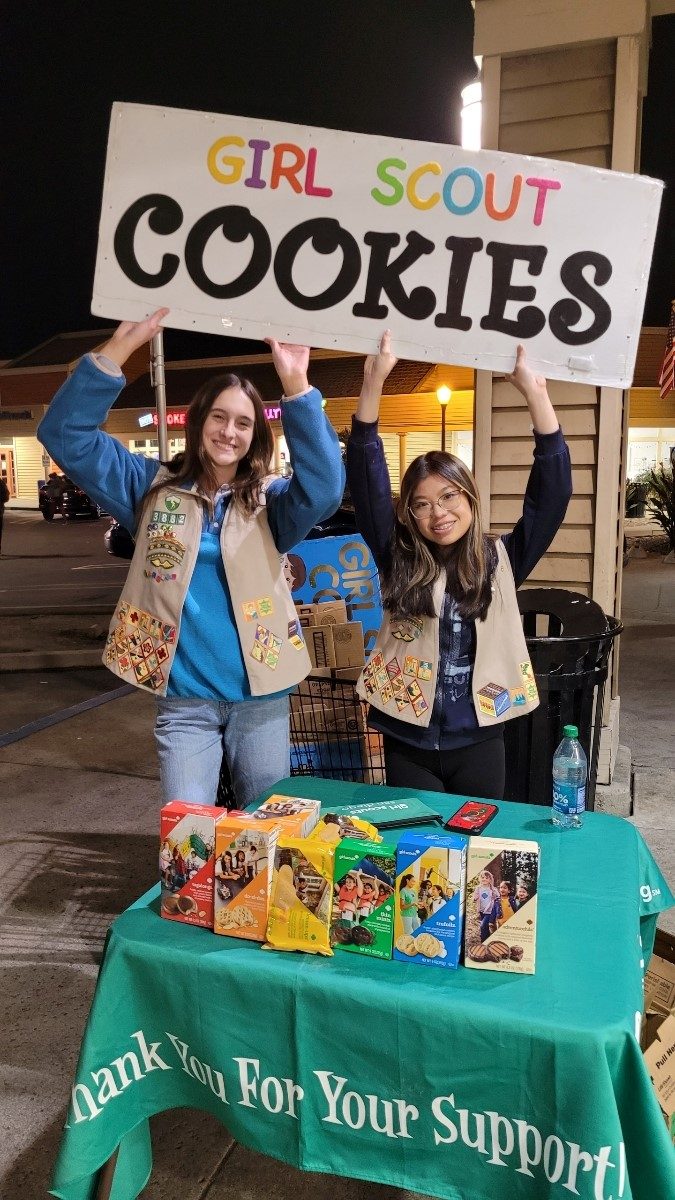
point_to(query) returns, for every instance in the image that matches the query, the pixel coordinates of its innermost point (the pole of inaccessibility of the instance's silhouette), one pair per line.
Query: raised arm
(549, 486)
(70, 431)
(367, 473)
(315, 488)
(376, 370)
(535, 390)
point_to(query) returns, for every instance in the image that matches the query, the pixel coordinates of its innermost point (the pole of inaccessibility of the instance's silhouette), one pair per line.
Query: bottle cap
(570, 731)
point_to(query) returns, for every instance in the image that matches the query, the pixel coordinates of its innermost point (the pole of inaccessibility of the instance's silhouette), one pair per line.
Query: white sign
(257, 228)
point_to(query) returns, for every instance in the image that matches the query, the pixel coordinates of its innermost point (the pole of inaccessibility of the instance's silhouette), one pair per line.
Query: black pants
(476, 770)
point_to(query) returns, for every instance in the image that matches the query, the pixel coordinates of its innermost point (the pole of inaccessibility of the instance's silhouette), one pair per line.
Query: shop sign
(177, 420)
(256, 228)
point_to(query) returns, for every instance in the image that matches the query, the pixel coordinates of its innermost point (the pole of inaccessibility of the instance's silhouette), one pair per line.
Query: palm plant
(661, 501)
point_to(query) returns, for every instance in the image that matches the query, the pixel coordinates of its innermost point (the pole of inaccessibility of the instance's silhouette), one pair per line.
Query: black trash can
(569, 639)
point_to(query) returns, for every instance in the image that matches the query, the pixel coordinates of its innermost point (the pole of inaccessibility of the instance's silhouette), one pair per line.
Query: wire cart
(329, 735)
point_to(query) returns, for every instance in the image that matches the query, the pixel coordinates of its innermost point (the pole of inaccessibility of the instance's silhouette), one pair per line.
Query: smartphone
(472, 817)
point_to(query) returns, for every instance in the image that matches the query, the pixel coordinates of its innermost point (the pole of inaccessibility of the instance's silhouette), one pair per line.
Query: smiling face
(441, 510)
(227, 432)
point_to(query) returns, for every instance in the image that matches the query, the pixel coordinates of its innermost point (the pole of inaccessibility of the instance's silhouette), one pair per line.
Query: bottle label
(568, 798)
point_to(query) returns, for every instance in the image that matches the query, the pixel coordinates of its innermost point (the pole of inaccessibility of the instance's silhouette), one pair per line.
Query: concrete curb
(51, 660)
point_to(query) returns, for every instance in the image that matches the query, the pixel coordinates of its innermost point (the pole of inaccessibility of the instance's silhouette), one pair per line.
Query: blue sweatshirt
(208, 663)
(453, 720)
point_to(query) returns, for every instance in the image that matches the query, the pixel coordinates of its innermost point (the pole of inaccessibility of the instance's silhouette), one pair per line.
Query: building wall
(562, 80)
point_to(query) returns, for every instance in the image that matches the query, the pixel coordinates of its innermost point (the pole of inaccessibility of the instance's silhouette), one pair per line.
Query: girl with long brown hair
(206, 621)
(450, 664)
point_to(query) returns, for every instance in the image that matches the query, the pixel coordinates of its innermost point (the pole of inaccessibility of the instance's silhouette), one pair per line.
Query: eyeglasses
(447, 502)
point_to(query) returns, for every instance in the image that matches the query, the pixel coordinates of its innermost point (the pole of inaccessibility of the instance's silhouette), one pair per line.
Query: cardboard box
(659, 997)
(331, 612)
(295, 815)
(501, 905)
(320, 646)
(348, 648)
(430, 883)
(363, 913)
(186, 862)
(243, 875)
(306, 615)
(331, 718)
(660, 1062)
(337, 645)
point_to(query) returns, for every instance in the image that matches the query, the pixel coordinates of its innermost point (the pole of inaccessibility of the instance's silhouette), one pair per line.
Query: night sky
(378, 67)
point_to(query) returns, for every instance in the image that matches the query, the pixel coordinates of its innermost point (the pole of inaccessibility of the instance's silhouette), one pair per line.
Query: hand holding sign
(131, 335)
(376, 370)
(291, 363)
(534, 389)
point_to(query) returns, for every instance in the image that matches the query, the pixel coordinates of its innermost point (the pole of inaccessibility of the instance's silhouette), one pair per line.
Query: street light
(443, 395)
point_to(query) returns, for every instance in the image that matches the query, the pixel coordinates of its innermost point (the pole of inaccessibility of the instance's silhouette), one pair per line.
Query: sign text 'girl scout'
(256, 228)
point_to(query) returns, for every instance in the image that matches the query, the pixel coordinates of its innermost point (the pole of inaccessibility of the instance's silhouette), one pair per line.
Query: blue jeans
(193, 735)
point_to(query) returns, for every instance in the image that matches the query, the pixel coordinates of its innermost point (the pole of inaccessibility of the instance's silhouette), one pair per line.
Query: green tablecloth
(461, 1084)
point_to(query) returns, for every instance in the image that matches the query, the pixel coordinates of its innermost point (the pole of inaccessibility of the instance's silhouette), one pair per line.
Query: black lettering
(237, 224)
(386, 276)
(530, 320)
(566, 313)
(326, 235)
(463, 250)
(165, 216)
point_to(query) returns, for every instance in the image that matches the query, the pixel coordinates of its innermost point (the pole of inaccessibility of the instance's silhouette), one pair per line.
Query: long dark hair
(415, 563)
(192, 464)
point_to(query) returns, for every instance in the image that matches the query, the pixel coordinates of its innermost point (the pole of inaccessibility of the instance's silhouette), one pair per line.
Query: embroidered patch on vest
(165, 553)
(393, 668)
(167, 518)
(411, 666)
(493, 700)
(517, 697)
(295, 635)
(419, 706)
(424, 671)
(529, 684)
(266, 647)
(387, 693)
(253, 609)
(413, 690)
(139, 644)
(401, 702)
(172, 502)
(406, 629)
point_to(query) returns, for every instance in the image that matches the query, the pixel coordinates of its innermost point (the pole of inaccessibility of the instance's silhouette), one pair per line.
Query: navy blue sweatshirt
(453, 719)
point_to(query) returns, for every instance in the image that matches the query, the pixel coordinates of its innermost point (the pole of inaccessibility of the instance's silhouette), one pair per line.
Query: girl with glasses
(450, 664)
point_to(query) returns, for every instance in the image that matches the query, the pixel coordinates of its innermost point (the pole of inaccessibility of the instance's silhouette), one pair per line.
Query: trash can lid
(579, 616)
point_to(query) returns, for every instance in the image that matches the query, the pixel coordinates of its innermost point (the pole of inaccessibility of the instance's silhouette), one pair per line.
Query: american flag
(667, 376)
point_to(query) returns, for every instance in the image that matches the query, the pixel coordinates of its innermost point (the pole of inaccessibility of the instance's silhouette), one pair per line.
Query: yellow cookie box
(302, 896)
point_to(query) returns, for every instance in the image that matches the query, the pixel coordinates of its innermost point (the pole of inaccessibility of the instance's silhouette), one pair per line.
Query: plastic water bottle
(569, 781)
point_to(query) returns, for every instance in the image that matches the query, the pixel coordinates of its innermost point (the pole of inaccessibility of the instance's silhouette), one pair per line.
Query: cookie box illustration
(363, 897)
(429, 902)
(187, 838)
(243, 875)
(501, 905)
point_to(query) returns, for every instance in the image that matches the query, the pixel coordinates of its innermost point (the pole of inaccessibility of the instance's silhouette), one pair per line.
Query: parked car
(118, 541)
(59, 495)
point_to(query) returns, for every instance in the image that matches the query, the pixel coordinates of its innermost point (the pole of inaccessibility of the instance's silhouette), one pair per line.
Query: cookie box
(429, 904)
(243, 875)
(363, 897)
(186, 850)
(501, 905)
(296, 815)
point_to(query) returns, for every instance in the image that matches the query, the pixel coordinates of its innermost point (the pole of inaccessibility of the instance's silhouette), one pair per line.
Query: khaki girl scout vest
(400, 678)
(144, 631)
